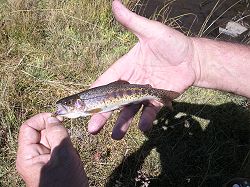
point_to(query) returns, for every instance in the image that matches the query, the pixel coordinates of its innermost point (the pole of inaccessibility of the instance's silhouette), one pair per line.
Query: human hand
(162, 58)
(46, 156)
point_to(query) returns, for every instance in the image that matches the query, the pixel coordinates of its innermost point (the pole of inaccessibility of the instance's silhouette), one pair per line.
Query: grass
(50, 49)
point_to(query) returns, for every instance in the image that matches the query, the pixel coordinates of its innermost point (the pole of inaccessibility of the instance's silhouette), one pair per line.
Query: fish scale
(111, 97)
(117, 97)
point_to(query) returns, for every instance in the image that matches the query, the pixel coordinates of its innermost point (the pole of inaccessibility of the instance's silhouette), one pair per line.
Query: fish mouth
(61, 110)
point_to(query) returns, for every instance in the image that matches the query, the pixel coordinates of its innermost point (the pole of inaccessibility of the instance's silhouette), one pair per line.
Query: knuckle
(24, 127)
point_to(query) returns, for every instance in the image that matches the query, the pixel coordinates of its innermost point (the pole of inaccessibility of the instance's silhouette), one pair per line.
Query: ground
(50, 49)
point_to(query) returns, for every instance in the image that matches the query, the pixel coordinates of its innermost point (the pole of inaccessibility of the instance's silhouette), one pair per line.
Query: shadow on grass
(189, 154)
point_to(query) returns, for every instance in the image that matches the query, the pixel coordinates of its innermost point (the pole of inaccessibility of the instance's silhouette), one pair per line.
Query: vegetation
(50, 49)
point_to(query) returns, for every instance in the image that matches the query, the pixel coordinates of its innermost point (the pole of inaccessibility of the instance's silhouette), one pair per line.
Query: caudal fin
(166, 97)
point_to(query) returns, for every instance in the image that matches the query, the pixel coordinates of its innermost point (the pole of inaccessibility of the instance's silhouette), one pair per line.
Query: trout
(110, 97)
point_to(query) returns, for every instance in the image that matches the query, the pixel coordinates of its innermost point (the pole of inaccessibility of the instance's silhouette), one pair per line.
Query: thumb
(140, 26)
(55, 132)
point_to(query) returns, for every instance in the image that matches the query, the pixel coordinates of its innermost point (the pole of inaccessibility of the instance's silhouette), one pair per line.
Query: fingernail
(53, 120)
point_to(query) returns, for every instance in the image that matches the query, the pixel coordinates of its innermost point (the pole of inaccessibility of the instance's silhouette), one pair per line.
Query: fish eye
(79, 103)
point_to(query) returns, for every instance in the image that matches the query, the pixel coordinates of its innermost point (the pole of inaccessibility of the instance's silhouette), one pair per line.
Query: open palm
(162, 58)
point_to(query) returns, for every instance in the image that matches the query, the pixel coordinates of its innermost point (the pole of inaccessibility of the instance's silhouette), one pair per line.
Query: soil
(200, 17)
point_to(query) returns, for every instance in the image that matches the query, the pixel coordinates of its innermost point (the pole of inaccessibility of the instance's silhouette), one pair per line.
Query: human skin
(167, 59)
(46, 156)
(163, 58)
(222, 66)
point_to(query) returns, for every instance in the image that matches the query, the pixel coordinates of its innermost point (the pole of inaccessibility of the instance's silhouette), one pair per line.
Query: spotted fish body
(111, 97)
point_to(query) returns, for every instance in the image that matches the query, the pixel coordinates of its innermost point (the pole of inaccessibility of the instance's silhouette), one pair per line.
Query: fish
(110, 97)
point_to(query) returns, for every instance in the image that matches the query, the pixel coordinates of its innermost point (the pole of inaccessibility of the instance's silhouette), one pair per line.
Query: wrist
(222, 66)
(196, 61)
(209, 69)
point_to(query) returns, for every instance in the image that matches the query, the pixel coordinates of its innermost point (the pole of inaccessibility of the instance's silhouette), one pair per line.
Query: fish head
(70, 107)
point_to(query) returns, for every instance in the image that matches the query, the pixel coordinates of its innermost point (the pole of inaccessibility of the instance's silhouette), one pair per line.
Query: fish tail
(166, 97)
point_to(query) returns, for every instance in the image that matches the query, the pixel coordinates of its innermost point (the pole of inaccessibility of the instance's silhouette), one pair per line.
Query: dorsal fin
(119, 82)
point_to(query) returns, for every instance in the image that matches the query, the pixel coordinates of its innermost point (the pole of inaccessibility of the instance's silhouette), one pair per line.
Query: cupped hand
(162, 58)
(46, 156)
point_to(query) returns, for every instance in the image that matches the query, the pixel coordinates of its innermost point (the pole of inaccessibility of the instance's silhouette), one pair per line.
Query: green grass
(50, 49)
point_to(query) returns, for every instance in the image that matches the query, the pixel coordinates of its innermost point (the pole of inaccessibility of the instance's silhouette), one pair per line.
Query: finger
(114, 73)
(31, 151)
(42, 159)
(140, 26)
(149, 113)
(125, 118)
(30, 129)
(44, 140)
(21, 166)
(55, 132)
(97, 122)
(28, 135)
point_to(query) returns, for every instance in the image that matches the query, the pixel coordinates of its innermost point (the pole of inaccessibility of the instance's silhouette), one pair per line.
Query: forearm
(223, 66)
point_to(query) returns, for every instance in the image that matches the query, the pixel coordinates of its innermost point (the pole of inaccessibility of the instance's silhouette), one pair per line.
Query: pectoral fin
(94, 111)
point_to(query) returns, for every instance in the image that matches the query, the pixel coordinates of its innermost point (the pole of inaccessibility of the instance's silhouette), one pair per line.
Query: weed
(50, 49)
